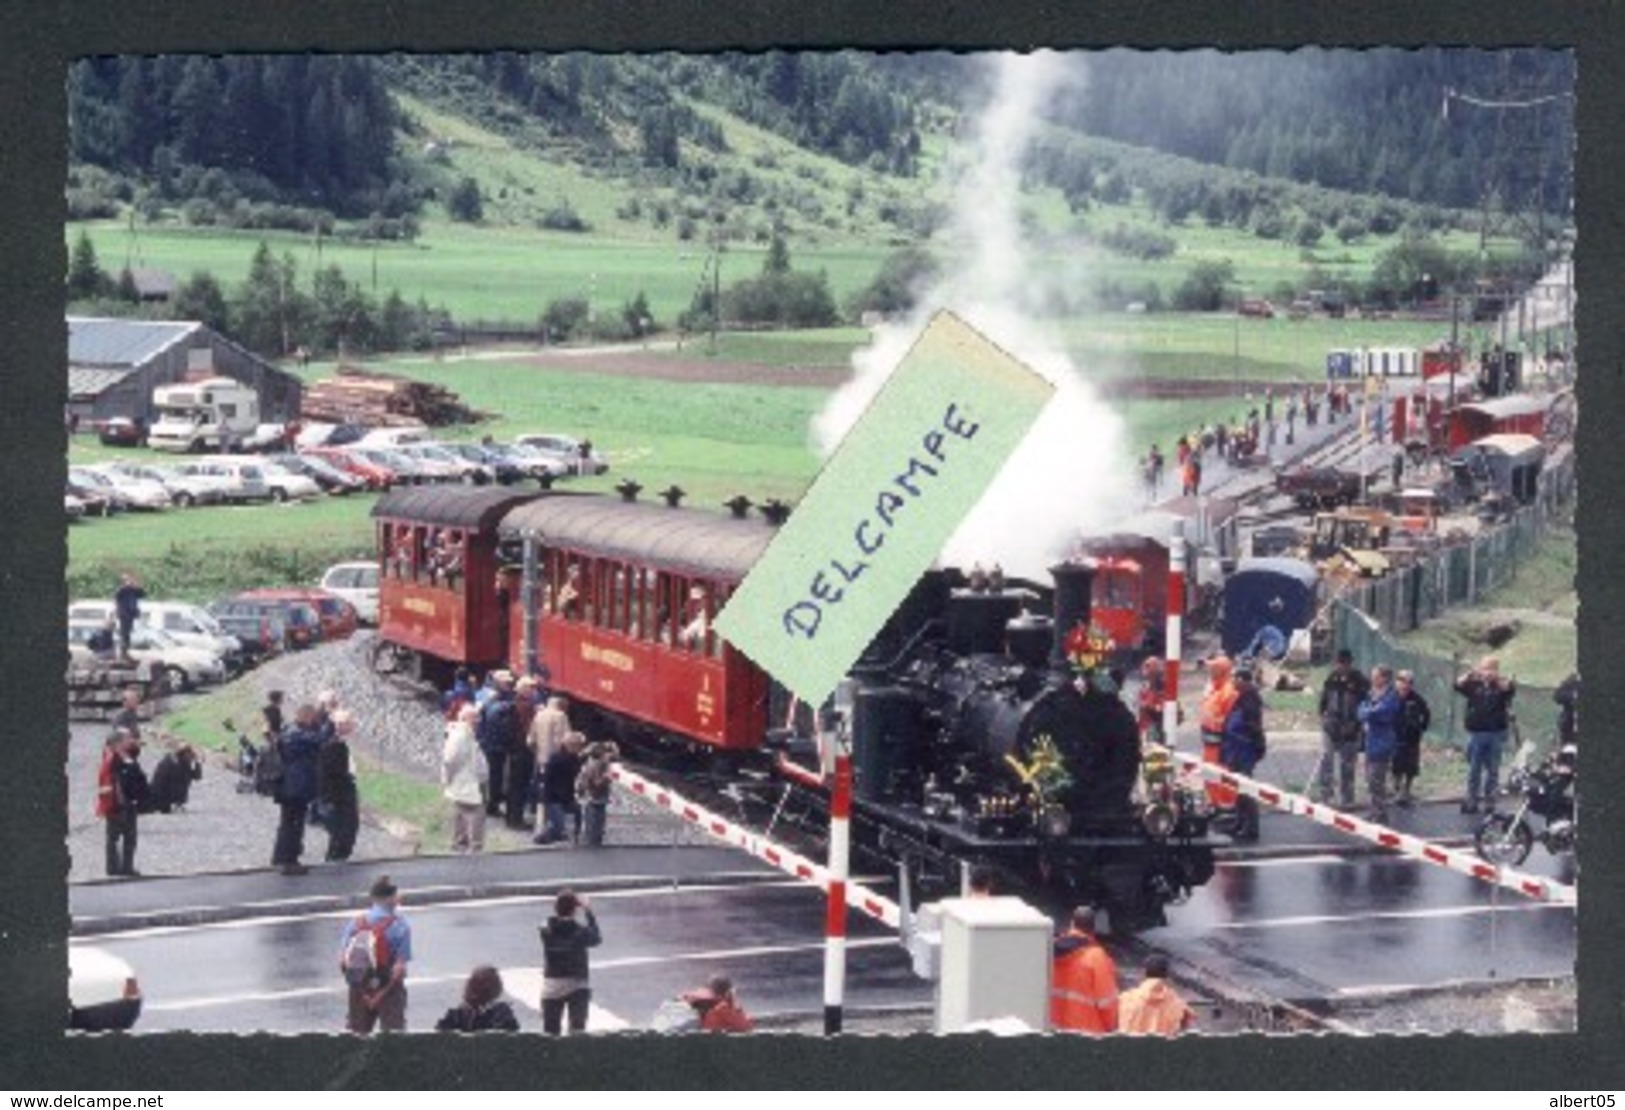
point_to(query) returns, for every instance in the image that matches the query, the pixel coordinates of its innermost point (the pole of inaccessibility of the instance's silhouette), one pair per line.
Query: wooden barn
(113, 365)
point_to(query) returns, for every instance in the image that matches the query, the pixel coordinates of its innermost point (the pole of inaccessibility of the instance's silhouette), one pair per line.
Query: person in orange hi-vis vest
(1154, 1006)
(1217, 701)
(1083, 980)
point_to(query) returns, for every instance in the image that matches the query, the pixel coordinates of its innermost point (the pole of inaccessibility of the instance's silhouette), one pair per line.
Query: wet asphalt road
(280, 973)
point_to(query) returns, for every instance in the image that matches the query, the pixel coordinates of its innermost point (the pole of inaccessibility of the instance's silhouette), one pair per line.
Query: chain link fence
(1364, 615)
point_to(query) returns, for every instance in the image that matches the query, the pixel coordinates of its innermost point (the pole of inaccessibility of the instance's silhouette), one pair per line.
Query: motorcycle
(1545, 791)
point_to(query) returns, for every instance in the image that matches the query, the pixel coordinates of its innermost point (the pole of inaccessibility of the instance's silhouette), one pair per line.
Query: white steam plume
(1068, 475)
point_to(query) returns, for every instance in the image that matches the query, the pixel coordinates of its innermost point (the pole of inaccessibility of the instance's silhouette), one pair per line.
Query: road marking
(407, 906)
(1391, 915)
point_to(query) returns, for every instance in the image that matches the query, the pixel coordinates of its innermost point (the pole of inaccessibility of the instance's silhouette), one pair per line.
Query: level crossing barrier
(735, 835)
(1412, 847)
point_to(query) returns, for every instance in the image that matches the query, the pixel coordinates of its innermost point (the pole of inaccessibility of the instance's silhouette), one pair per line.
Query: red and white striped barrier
(858, 897)
(1174, 637)
(1533, 886)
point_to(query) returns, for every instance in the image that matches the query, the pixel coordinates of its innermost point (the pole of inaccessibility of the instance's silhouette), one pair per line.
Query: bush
(563, 217)
(565, 318)
(1205, 287)
(1137, 242)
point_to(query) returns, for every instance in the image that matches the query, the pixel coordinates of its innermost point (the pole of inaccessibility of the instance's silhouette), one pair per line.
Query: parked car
(394, 437)
(91, 499)
(184, 490)
(72, 507)
(376, 475)
(499, 467)
(122, 431)
(188, 624)
(142, 493)
(356, 583)
(264, 437)
(406, 470)
(103, 993)
(241, 480)
(336, 616)
(576, 454)
(437, 466)
(186, 667)
(286, 485)
(326, 476)
(475, 471)
(544, 466)
(91, 495)
(268, 625)
(84, 478)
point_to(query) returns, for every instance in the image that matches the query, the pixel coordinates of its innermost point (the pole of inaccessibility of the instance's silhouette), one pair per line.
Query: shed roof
(1506, 444)
(1519, 404)
(86, 383)
(105, 342)
(689, 541)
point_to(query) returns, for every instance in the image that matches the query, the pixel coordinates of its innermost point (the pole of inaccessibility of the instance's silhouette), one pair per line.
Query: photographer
(1489, 716)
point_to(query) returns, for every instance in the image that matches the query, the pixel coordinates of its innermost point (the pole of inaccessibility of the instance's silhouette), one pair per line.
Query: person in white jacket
(462, 773)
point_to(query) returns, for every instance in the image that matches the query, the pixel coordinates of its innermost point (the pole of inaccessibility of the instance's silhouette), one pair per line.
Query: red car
(339, 619)
(376, 476)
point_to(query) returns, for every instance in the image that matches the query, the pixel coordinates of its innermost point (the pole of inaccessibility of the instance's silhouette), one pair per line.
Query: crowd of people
(1274, 420)
(511, 752)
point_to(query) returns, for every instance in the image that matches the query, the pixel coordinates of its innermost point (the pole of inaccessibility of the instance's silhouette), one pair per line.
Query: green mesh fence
(1436, 679)
(1366, 613)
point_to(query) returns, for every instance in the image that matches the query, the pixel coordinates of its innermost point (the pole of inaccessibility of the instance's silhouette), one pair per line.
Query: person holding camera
(1489, 718)
(565, 941)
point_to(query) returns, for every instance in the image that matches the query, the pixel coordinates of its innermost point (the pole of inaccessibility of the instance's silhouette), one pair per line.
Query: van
(216, 413)
(189, 625)
(356, 583)
(244, 480)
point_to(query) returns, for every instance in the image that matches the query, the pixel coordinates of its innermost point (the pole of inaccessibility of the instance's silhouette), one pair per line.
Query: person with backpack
(373, 957)
(565, 942)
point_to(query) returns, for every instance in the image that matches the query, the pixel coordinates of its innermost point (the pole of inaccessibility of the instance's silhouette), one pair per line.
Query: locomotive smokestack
(1073, 585)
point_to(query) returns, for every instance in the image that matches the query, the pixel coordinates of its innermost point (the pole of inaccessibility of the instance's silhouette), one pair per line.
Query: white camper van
(213, 414)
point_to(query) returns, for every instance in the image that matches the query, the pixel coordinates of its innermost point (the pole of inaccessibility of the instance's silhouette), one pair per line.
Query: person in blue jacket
(300, 746)
(1379, 720)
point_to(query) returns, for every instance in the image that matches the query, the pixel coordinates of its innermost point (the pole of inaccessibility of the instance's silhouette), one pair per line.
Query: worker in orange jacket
(1154, 1006)
(1083, 981)
(1217, 700)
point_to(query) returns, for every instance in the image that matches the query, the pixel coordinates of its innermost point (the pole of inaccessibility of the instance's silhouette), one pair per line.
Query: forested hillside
(321, 133)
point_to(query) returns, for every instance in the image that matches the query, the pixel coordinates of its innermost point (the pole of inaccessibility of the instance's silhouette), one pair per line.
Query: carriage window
(695, 621)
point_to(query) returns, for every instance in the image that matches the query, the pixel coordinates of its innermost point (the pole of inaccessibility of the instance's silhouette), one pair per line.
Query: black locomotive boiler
(977, 738)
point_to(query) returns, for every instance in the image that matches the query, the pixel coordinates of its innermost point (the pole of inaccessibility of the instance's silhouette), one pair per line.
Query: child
(592, 788)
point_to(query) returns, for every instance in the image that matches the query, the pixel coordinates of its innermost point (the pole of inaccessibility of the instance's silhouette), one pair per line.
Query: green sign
(883, 507)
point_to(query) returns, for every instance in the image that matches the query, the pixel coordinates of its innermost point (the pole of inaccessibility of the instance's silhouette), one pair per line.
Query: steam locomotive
(973, 738)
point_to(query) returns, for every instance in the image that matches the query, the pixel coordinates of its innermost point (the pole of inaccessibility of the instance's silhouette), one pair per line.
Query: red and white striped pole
(840, 842)
(1175, 633)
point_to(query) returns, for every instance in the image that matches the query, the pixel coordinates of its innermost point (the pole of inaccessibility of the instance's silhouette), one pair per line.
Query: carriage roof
(689, 541)
(448, 506)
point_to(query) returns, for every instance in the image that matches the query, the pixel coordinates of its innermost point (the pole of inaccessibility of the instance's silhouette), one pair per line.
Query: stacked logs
(381, 400)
